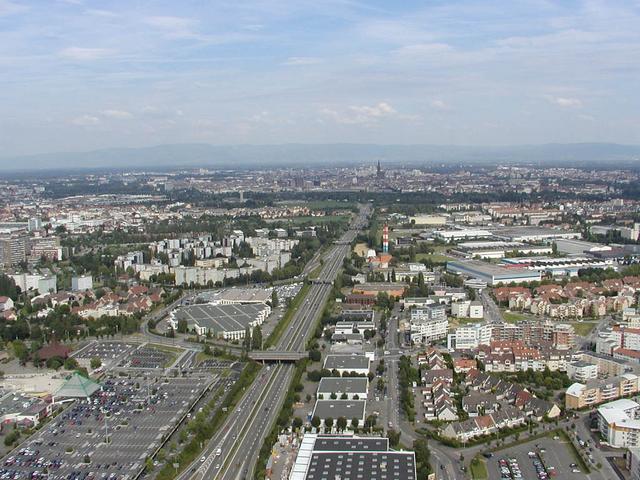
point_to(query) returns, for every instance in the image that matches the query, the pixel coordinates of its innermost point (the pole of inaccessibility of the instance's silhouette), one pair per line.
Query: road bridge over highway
(277, 356)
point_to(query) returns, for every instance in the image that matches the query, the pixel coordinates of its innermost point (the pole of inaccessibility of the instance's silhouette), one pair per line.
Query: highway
(233, 451)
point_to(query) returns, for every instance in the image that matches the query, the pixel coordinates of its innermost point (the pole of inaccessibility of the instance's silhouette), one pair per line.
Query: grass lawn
(583, 328)
(479, 468)
(513, 317)
(316, 220)
(434, 257)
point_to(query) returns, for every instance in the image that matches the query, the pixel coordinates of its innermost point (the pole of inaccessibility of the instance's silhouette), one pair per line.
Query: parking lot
(541, 459)
(214, 364)
(134, 414)
(146, 357)
(109, 352)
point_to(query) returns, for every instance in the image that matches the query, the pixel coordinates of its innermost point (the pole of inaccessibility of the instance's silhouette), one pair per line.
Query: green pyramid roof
(77, 386)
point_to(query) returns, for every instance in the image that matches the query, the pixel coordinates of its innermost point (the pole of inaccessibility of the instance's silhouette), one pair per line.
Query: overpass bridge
(277, 356)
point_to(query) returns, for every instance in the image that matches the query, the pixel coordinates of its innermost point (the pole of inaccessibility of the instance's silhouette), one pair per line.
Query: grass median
(478, 468)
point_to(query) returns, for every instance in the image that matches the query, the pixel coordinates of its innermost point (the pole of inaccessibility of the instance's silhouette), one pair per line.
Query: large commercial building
(499, 249)
(347, 363)
(532, 234)
(569, 266)
(493, 274)
(334, 409)
(332, 457)
(462, 234)
(226, 321)
(352, 388)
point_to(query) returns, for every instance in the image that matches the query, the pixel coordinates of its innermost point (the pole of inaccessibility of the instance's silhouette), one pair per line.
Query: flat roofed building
(532, 234)
(582, 371)
(226, 321)
(453, 235)
(347, 363)
(470, 336)
(619, 423)
(597, 391)
(331, 457)
(493, 274)
(334, 409)
(350, 386)
(231, 296)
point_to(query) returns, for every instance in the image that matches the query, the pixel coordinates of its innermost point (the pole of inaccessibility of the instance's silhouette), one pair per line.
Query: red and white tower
(385, 238)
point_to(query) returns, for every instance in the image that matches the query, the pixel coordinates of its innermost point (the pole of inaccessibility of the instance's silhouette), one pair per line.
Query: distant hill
(299, 155)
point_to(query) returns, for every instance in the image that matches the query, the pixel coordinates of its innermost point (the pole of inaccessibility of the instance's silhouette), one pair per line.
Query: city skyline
(80, 76)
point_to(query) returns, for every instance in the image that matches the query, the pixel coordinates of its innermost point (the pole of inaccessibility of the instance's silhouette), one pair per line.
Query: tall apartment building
(12, 250)
(598, 391)
(559, 335)
(619, 423)
(470, 336)
(429, 324)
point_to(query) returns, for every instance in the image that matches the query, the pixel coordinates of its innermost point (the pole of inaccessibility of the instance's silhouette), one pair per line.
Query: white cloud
(85, 54)
(101, 13)
(295, 61)
(361, 114)
(8, 7)
(566, 102)
(168, 22)
(440, 105)
(175, 27)
(423, 49)
(86, 121)
(119, 114)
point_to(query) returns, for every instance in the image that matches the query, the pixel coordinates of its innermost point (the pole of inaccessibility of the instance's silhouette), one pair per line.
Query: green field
(583, 328)
(313, 220)
(478, 468)
(513, 317)
(434, 257)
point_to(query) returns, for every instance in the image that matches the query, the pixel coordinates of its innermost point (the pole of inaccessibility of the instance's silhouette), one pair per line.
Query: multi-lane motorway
(232, 452)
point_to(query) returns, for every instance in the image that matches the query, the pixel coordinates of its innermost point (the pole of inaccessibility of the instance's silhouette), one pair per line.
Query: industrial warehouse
(225, 321)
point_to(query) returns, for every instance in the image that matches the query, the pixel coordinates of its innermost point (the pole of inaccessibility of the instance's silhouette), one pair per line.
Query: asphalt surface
(232, 453)
(133, 414)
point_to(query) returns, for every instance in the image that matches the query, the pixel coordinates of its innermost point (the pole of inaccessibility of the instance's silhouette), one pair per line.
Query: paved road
(232, 452)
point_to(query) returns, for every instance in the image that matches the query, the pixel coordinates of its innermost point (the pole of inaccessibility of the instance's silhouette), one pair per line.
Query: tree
(246, 342)
(422, 457)
(355, 423)
(274, 298)
(183, 326)
(315, 355)
(70, 364)
(341, 424)
(296, 423)
(20, 350)
(256, 338)
(328, 423)
(95, 363)
(315, 422)
(394, 437)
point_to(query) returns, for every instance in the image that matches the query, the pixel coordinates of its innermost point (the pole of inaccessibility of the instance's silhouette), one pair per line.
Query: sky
(80, 75)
